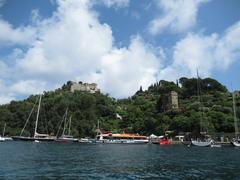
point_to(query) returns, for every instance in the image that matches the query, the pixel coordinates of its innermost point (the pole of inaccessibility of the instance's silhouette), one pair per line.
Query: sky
(118, 44)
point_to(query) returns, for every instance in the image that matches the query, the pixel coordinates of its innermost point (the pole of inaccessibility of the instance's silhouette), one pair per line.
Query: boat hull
(201, 143)
(235, 143)
(5, 138)
(66, 140)
(22, 138)
(124, 141)
(164, 141)
(86, 140)
(216, 145)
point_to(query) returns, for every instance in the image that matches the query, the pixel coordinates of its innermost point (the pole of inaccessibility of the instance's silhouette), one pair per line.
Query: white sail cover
(41, 135)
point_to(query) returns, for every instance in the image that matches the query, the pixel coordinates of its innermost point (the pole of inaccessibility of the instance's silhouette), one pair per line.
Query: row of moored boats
(108, 137)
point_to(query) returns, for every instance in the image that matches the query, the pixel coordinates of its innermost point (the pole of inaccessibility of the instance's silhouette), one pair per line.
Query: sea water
(31, 160)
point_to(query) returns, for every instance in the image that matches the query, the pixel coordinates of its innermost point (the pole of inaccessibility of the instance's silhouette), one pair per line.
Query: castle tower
(173, 100)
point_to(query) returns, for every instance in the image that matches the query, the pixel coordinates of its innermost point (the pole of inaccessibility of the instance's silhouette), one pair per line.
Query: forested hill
(142, 113)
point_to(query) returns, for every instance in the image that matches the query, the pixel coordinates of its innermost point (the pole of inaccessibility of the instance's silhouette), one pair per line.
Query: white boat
(85, 140)
(37, 136)
(216, 145)
(123, 138)
(3, 138)
(66, 138)
(205, 142)
(235, 141)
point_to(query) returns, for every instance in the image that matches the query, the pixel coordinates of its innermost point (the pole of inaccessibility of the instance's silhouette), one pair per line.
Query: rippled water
(28, 160)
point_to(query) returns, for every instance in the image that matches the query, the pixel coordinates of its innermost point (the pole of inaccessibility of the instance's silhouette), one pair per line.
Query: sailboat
(206, 141)
(3, 138)
(65, 138)
(37, 136)
(236, 140)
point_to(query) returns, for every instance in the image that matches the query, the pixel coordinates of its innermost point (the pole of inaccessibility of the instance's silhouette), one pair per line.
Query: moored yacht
(66, 138)
(37, 136)
(235, 141)
(123, 138)
(4, 138)
(205, 140)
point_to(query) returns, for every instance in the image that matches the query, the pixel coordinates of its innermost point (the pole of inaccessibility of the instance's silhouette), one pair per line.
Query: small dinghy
(204, 143)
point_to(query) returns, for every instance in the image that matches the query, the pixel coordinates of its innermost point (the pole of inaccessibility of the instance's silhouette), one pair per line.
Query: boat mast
(4, 129)
(98, 128)
(235, 116)
(36, 123)
(200, 101)
(29, 117)
(65, 123)
(69, 127)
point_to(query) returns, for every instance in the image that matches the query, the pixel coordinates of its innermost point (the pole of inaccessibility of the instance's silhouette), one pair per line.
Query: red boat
(164, 141)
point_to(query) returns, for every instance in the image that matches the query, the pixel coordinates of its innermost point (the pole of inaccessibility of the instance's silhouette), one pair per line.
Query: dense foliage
(140, 113)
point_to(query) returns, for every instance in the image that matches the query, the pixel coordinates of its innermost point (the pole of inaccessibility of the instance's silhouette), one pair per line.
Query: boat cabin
(110, 136)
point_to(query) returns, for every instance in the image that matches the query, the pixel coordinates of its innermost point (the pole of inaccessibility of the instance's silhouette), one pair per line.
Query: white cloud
(71, 42)
(115, 3)
(3, 86)
(125, 70)
(6, 98)
(4, 70)
(26, 87)
(20, 35)
(177, 15)
(5, 95)
(228, 48)
(74, 45)
(205, 53)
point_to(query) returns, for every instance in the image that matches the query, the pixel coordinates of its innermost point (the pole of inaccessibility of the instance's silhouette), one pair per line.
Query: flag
(118, 116)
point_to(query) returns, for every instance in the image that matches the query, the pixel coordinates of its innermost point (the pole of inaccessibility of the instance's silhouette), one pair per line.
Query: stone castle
(86, 87)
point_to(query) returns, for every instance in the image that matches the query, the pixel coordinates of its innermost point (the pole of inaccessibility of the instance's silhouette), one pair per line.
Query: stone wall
(92, 88)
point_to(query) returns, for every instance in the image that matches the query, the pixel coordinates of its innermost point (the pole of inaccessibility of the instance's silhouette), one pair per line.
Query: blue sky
(118, 44)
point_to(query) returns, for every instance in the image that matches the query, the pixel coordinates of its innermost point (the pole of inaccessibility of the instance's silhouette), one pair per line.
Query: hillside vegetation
(142, 113)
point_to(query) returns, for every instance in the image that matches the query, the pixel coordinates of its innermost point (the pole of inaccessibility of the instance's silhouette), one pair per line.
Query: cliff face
(142, 113)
